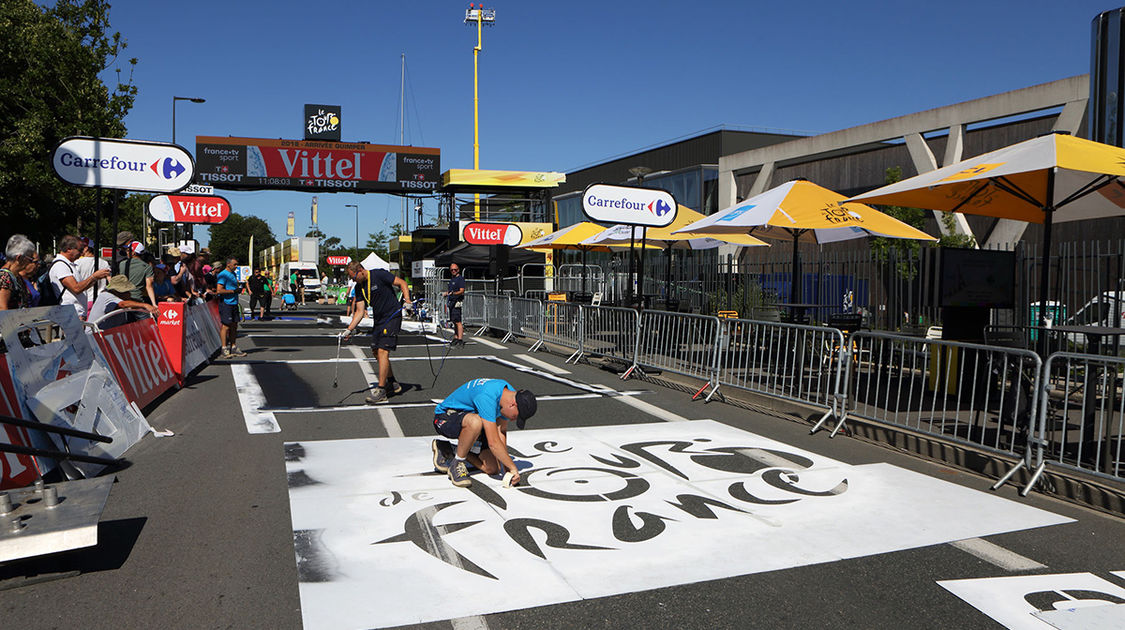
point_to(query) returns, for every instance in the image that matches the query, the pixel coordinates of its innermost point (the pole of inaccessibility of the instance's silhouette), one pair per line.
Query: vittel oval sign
(123, 164)
(631, 206)
(492, 234)
(339, 260)
(189, 208)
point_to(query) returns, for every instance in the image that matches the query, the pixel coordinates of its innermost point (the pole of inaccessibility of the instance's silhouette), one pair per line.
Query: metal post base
(576, 357)
(507, 337)
(535, 346)
(633, 369)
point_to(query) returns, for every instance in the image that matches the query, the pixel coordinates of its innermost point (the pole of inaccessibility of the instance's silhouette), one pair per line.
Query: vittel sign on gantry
(650, 207)
(123, 164)
(261, 164)
(492, 234)
(189, 208)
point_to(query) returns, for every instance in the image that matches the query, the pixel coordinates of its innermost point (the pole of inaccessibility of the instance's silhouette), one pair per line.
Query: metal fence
(789, 361)
(1081, 413)
(1004, 400)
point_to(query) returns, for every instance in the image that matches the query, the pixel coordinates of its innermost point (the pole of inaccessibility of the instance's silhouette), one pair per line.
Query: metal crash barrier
(526, 320)
(679, 343)
(1081, 422)
(611, 332)
(790, 361)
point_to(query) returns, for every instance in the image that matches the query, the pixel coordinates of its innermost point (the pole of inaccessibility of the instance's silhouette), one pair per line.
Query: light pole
(174, 100)
(481, 16)
(352, 205)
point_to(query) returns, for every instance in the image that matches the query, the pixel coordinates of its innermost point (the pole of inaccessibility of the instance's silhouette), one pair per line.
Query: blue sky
(565, 85)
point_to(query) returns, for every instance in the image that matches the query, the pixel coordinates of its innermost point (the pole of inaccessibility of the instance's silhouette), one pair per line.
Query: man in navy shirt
(455, 295)
(227, 288)
(377, 289)
(476, 414)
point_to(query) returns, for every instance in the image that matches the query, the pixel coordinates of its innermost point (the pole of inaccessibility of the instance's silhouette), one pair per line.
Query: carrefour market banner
(260, 163)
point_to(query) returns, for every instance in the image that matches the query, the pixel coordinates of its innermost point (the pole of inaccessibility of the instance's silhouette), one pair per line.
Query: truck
(299, 255)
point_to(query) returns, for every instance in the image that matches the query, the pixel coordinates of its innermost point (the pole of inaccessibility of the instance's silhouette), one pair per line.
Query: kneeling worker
(476, 414)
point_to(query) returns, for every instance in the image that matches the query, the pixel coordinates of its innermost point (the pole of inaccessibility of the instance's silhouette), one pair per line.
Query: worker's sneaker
(443, 455)
(459, 475)
(225, 353)
(395, 389)
(235, 352)
(378, 395)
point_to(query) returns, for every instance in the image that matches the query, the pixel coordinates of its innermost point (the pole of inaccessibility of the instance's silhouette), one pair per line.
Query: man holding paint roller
(376, 287)
(476, 415)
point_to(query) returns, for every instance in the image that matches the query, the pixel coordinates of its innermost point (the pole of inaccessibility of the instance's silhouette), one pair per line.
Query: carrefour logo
(123, 164)
(629, 206)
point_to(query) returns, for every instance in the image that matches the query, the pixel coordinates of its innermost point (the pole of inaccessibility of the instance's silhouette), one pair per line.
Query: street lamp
(481, 16)
(174, 99)
(352, 205)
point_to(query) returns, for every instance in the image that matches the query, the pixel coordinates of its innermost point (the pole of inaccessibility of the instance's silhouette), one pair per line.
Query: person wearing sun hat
(138, 272)
(116, 296)
(476, 415)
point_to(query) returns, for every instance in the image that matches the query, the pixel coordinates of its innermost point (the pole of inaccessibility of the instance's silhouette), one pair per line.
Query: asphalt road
(199, 530)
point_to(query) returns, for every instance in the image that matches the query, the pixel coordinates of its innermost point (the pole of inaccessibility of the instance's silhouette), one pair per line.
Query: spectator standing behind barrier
(267, 294)
(227, 288)
(84, 268)
(162, 287)
(476, 415)
(61, 275)
(116, 296)
(139, 273)
(377, 288)
(456, 295)
(31, 275)
(20, 255)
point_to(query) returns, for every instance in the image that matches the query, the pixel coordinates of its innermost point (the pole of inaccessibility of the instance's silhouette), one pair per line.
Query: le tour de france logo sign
(492, 234)
(189, 208)
(123, 164)
(649, 207)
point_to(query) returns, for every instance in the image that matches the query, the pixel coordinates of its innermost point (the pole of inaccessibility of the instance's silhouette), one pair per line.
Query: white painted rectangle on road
(1013, 601)
(252, 399)
(541, 364)
(490, 344)
(600, 511)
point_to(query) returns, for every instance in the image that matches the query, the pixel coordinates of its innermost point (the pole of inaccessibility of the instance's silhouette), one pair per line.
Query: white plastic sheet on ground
(381, 540)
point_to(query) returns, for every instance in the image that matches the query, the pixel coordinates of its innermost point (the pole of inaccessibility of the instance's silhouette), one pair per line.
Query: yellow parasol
(1045, 180)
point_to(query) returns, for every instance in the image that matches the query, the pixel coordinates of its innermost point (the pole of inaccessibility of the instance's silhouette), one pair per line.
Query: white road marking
(490, 344)
(543, 364)
(251, 398)
(641, 405)
(386, 415)
(469, 623)
(997, 555)
(433, 401)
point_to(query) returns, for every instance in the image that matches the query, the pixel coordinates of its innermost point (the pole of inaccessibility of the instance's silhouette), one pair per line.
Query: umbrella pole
(641, 267)
(583, 271)
(795, 283)
(629, 284)
(1045, 272)
(668, 278)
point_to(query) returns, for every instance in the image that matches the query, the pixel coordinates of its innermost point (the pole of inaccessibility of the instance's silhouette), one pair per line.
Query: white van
(307, 275)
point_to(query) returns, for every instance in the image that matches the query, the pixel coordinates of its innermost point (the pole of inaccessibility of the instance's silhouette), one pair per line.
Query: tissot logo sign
(123, 164)
(492, 234)
(322, 122)
(631, 206)
(339, 260)
(189, 208)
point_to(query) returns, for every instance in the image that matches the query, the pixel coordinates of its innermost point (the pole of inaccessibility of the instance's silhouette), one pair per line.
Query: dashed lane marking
(543, 364)
(997, 555)
(490, 344)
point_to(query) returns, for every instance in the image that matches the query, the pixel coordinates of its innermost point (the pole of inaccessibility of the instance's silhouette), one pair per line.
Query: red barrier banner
(138, 360)
(16, 471)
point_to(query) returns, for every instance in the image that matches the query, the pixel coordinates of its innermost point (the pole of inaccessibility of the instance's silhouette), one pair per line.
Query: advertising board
(492, 234)
(259, 163)
(123, 164)
(189, 208)
(339, 261)
(651, 207)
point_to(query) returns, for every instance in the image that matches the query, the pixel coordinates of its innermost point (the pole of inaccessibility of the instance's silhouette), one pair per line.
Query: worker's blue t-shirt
(228, 280)
(480, 396)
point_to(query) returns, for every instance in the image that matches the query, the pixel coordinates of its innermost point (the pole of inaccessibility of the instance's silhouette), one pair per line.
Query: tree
(50, 61)
(231, 238)
(901, 251)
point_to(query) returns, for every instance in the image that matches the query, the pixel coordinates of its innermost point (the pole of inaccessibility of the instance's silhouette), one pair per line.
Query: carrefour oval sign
(632, 206)
(123, 164)
(189, 208)
(492, 234)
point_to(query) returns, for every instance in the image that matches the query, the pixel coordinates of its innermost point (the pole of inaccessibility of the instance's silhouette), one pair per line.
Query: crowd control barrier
(65, 383)
(526, 320)
(788, 361)
(1082, 413)
(16, 469)
(611, 332)
(472, 309)
(985, 396)
(189, 333)
(135, 354)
